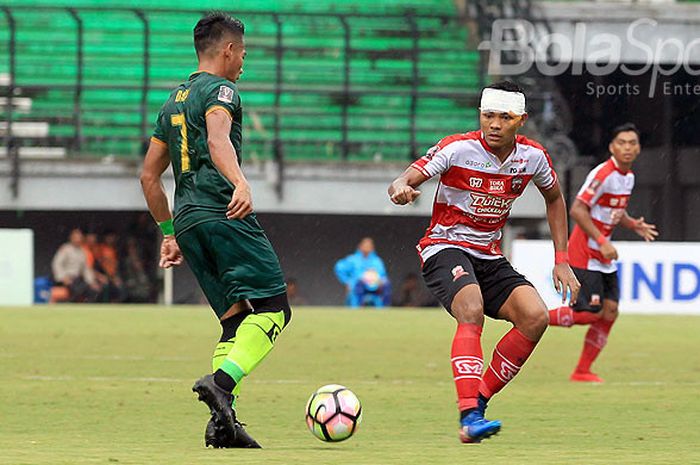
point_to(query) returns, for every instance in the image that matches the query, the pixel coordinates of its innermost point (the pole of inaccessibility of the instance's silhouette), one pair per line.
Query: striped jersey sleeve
(435, 161)
(592, 188)
(544, 177)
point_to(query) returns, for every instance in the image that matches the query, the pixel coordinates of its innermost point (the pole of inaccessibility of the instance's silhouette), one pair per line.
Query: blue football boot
(475, 427)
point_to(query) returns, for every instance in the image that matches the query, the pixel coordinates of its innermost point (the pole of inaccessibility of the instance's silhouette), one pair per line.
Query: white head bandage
(502, 101)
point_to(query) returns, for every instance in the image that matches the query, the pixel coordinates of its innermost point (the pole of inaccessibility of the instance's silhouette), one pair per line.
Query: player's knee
(540, 320)
(610, 311)
(230, 325)
(533, 323)
(468, 311)
(274, 304)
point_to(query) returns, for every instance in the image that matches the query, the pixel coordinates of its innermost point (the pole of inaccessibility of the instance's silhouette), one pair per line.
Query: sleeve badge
(225, 94)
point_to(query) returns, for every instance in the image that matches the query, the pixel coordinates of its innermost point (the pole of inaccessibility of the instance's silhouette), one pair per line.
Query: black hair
(508, 86)
(212, 28)
(624, 128)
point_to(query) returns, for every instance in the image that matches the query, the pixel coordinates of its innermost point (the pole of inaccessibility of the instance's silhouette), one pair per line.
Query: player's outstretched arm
(155, 163)
(223, 154)
(645, 230)
(581, 213)
(403, 189)
(565, 281)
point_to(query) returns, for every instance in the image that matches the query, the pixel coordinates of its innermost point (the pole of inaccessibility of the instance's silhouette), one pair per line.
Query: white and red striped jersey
(476, 191)
(606, 191)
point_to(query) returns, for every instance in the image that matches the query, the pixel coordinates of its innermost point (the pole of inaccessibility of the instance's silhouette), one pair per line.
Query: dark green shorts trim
(232, 260)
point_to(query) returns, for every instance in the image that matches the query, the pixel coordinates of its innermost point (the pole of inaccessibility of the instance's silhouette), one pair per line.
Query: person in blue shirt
(364, 277)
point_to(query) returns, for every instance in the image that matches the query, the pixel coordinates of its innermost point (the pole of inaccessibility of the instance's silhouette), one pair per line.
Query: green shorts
(232, 260)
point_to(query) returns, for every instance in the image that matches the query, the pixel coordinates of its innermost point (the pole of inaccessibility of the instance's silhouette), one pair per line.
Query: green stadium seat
(313, 94)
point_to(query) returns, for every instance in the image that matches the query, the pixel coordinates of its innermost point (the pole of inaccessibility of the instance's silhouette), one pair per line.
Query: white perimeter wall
(660, 277)
(330, 189)
(16, 267)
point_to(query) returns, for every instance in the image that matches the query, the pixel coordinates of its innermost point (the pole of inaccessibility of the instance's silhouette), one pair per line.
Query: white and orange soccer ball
(333, 413)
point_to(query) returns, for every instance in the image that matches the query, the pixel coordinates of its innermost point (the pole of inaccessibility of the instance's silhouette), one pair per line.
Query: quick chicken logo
(484, 204)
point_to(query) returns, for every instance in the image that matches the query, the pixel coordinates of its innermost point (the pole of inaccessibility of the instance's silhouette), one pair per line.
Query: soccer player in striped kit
(600, 205)
(481, 174)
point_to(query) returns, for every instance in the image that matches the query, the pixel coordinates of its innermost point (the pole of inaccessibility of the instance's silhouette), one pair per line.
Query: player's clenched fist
(170, 254)
(403, 195)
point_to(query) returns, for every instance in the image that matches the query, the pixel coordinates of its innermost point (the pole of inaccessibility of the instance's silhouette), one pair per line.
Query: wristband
(167, 227)
(561, 256)
(600, 240)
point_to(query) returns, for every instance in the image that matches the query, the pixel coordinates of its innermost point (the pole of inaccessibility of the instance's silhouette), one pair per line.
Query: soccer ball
(333, 413)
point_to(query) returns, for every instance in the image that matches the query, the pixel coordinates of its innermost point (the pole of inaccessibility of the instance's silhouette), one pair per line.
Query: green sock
(220, 352)
(254, 339)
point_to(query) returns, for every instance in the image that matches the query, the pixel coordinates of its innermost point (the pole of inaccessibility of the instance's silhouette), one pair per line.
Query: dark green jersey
(201, 192)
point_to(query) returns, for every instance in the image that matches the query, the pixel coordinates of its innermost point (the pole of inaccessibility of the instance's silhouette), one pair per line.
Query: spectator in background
(91, 247)
(136, 282)
(364, 277)
(293, 294)
(147, 236)
(107, 261)
(74, 279)
(411, 293)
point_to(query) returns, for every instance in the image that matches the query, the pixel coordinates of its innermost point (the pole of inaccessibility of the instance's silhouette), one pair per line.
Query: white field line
(140, 379)
(128, 358)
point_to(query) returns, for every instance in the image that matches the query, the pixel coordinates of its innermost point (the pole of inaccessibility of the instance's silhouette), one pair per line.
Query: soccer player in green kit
(198, 131)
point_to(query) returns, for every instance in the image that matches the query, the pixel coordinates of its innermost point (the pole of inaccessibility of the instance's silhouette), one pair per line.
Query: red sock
(467, 364)
(585, 318)
(596, 338)
(565, 316)
(508, 357)
(562, 316)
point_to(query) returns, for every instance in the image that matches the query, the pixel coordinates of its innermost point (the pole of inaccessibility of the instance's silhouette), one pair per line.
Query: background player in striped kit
(600, 205)
(481, 174)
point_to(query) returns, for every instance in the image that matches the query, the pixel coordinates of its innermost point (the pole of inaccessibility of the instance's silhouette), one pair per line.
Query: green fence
(318, 84)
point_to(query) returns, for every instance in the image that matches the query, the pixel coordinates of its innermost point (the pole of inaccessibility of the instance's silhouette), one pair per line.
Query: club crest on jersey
(225, 94)
(458, 272)
(592, 187)
(497, 186)
(517, 184)
(475, 182)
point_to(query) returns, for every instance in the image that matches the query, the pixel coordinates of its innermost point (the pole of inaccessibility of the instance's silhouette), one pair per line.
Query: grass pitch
(104, 385)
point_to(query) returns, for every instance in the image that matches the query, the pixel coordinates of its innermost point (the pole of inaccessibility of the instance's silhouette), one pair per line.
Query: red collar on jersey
(486, 147)
(617, 168)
